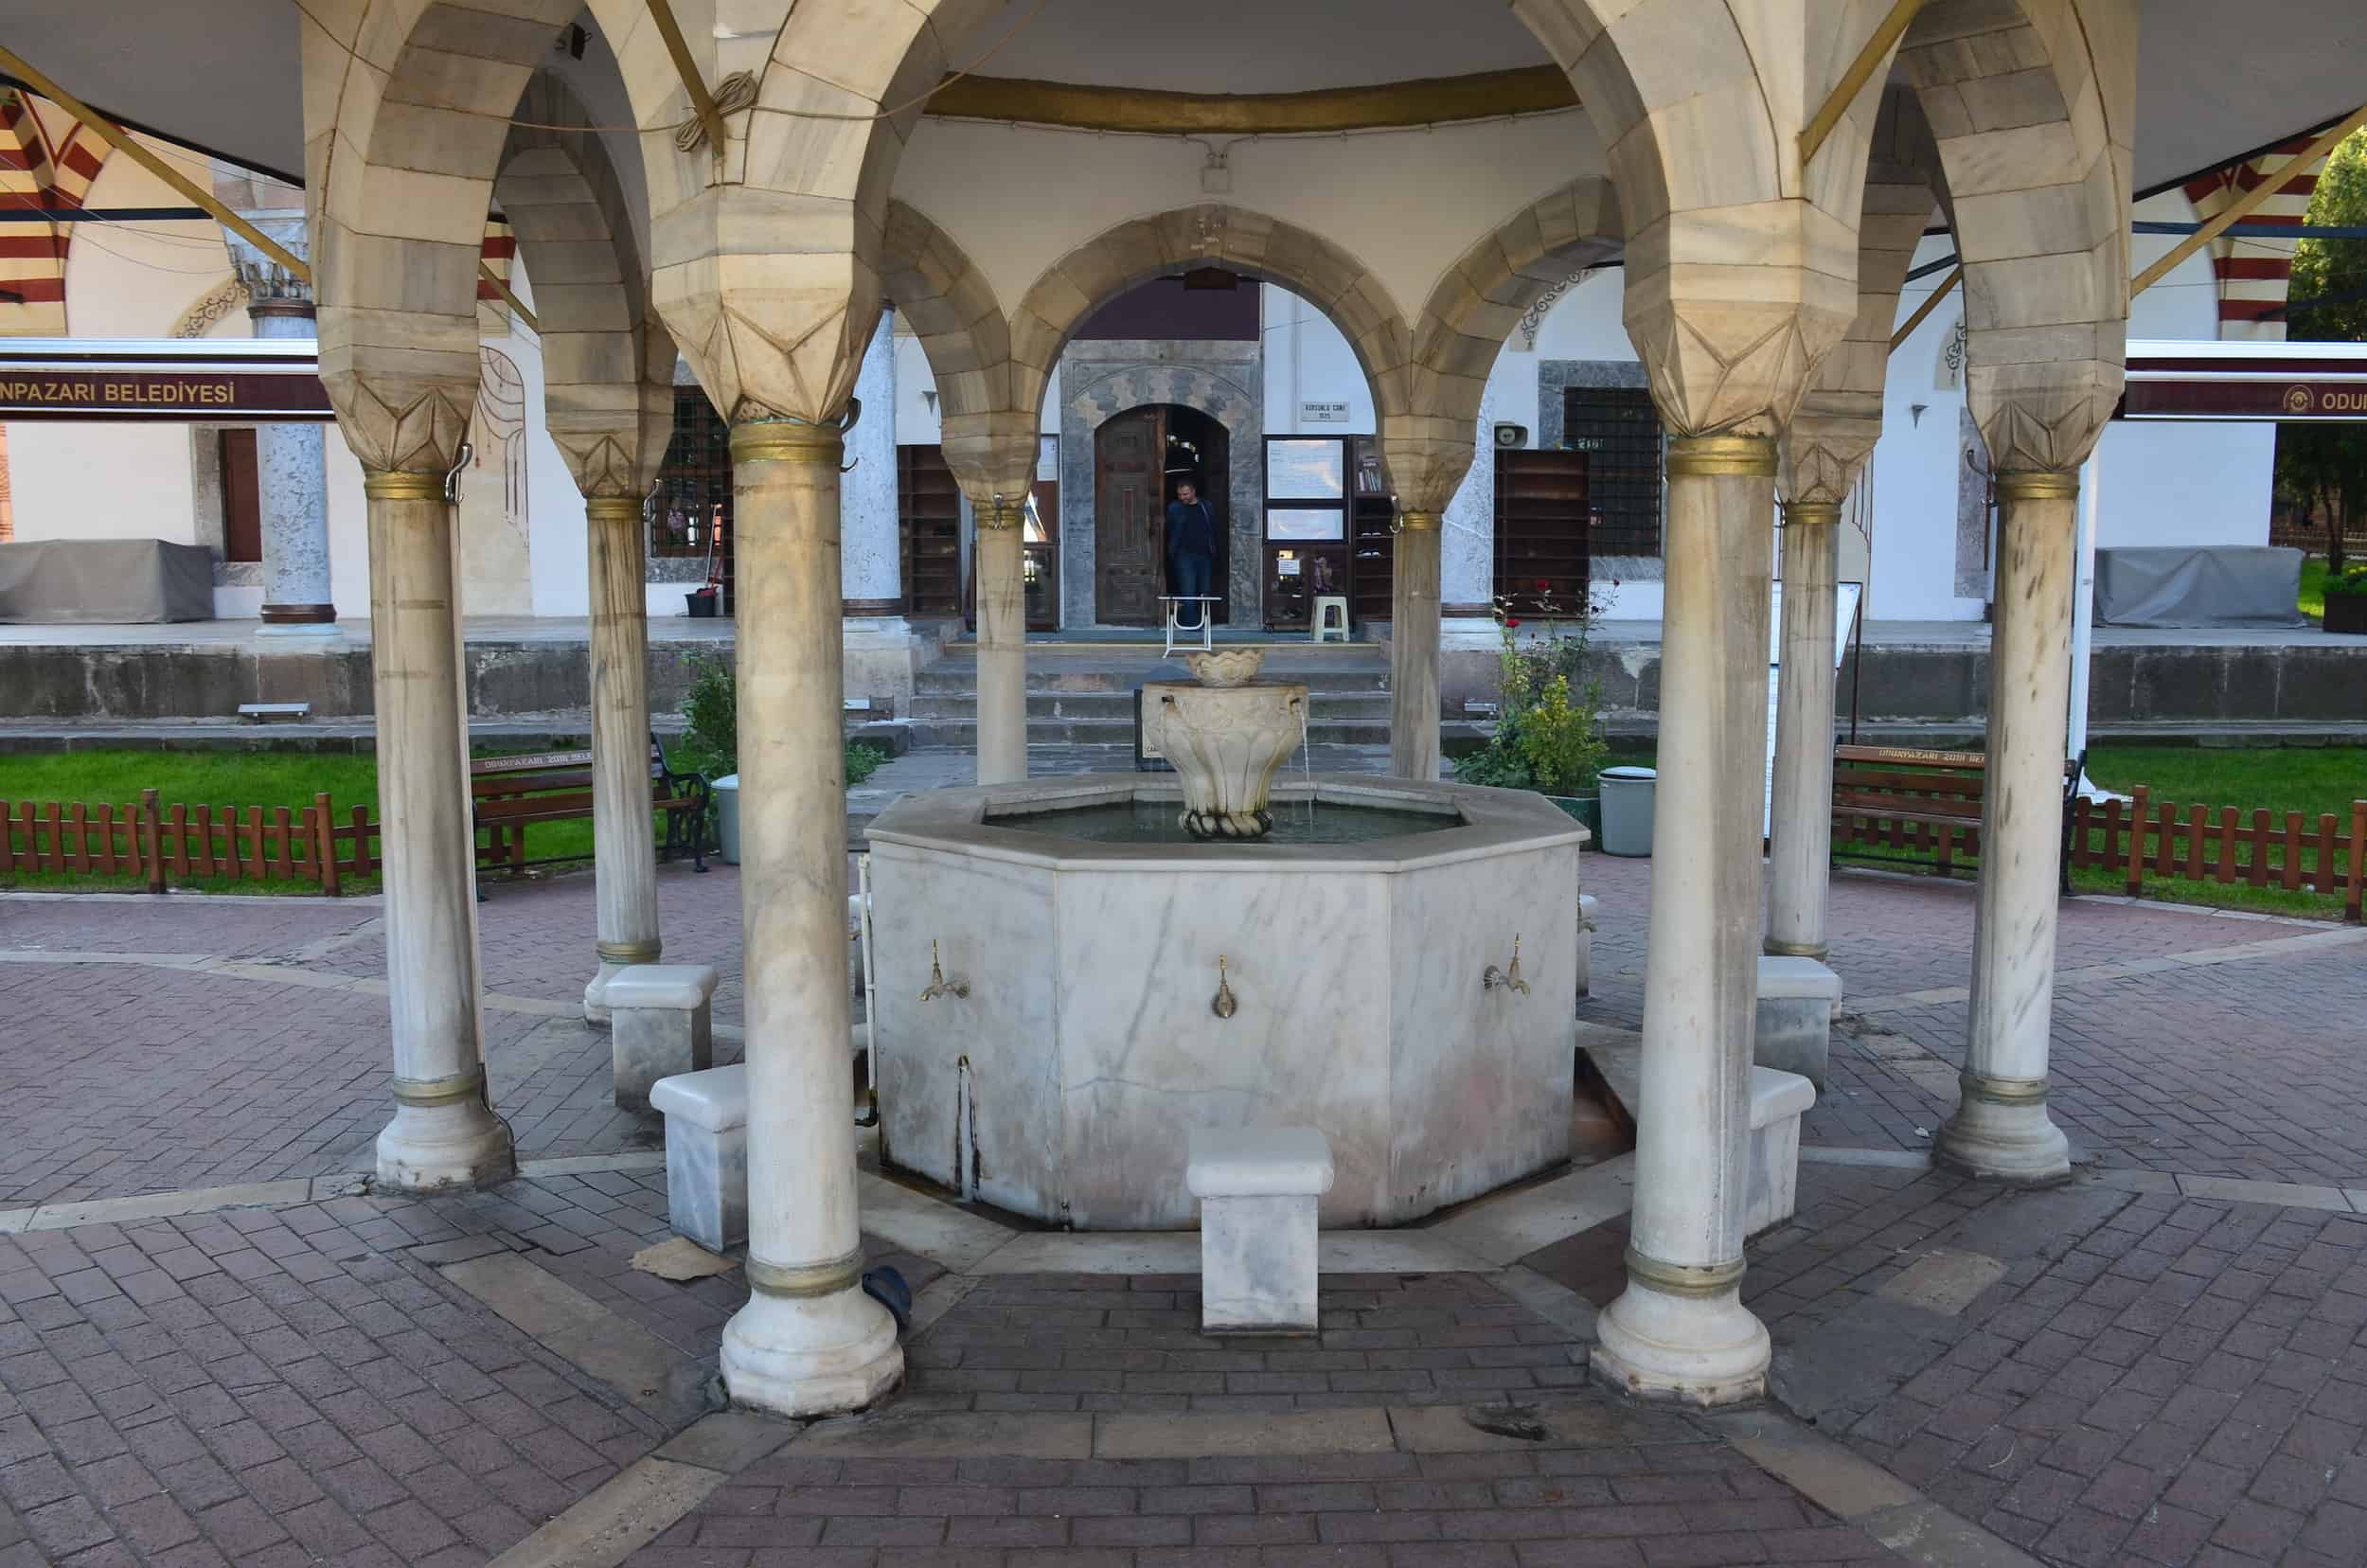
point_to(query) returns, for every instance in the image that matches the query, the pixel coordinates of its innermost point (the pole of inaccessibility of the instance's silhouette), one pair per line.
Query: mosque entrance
(1140, 458)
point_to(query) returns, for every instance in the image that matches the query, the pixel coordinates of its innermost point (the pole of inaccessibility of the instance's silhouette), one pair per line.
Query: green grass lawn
(2313, 600)
(241, 779)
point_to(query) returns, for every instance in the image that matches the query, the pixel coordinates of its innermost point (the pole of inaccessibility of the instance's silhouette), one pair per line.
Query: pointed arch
(2030, 104)
(608, 363)
(1213, 234)
(953, 311)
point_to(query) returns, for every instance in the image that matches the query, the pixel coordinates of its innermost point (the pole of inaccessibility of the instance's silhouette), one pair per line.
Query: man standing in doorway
(1191, 550)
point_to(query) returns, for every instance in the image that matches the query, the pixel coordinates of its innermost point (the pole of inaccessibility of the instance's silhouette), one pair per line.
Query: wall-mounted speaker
(1512, 436)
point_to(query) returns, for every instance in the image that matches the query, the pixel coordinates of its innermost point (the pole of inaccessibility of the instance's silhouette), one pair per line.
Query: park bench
(510, 794)
(1914, 803)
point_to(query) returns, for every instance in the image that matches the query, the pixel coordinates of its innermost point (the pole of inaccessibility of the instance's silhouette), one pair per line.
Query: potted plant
(1549, 729)
(2346, 601)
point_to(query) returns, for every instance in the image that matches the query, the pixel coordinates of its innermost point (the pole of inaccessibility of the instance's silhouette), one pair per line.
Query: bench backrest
(537, 770)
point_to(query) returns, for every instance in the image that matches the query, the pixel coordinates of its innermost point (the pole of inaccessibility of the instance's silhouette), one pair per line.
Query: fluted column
(809, 1341)
(1680, 1330)
(444, 1133)
(1002, 640)
(2001, 1128)
(624, 847)
(1413, 613)
(1800, 832)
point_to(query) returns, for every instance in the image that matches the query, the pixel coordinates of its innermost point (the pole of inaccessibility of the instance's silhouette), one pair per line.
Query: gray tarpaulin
(2218, 586)
(105, 580)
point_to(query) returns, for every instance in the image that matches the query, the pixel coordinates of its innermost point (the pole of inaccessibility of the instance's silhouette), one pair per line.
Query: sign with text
(226, 394)
(1311, 412)
(2276, 399)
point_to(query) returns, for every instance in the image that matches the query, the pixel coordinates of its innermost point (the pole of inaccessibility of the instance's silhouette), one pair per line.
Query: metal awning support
(701, 99)
(2243, 206)
(1948, 286)
(1851, 82)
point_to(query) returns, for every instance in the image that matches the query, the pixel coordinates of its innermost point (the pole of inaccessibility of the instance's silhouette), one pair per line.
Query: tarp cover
(2213, 586)
(105, 580)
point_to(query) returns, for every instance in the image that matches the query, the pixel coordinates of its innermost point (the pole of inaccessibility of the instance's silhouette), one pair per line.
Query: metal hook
(451, 474)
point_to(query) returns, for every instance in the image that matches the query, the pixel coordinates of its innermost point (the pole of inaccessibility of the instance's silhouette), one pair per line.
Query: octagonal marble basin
(1354, 968)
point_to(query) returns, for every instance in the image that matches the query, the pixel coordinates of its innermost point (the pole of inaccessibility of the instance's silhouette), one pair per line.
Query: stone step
(963, 704)
(961, 675)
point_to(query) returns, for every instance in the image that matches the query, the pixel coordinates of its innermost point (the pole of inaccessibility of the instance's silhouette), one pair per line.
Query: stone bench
(660, 1019)
(1258, 1188)
(1795, 1017)
(707, 1153)
(1772, 1182)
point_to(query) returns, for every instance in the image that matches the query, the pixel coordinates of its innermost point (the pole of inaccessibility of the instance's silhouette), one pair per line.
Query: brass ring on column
(2037, 484)
(628, 952)
(1728, 456)
(1775, 947)
(2003, 1091)
(401, 485)
(424, 1092)
(1418, 522)
(808, 1280)
(1684, 1279)
(1001, 516)
(786, 441)
(622, 509)
(1811, 513)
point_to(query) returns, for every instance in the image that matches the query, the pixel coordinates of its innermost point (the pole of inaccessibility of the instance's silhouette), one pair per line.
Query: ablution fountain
(1073, 974)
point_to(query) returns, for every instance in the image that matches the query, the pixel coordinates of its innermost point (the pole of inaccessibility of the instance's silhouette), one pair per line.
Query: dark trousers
(1190, 575)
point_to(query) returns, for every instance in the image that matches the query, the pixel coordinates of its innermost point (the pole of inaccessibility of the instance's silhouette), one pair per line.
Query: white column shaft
(624, 847)
(871, 570)
(292, 494)
(1414, 649)
(1680, 1329)
(443, 1134)
(809, 1341)
(1001, 645)
(2001, 1127)
(1801, 832)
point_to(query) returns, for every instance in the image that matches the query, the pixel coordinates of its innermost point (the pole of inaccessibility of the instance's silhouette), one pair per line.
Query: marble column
(1414, 648)
(444, 1133)
(1002, 642)
(2000, 1127)
(808, 1341)
(1800, 832)
(1680, 1330)
(624, 847)
(291, 482)
(871, 564)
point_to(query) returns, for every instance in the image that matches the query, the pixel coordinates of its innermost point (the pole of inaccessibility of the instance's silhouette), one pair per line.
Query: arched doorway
(1140, 457)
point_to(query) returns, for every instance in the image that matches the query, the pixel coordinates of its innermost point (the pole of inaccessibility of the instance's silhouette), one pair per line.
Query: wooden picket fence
(158, 842)
(2200, 844)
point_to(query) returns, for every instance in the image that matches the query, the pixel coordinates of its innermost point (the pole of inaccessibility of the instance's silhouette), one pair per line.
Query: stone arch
(1232, 403)
(953, 310)
(2030, 104)
(608, 363)
(1212, 233)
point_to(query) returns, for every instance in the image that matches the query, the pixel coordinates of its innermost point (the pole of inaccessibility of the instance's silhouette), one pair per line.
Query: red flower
(1512, 620)
(1544, 584)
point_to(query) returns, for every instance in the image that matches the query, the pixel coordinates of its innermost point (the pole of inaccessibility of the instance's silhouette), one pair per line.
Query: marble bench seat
(660, 1019)
(1257, 1188)
(707, 1154)
(1796, 1001)
(1771, 1192)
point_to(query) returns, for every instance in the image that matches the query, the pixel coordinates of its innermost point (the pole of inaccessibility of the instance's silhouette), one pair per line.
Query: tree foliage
(2322, 467)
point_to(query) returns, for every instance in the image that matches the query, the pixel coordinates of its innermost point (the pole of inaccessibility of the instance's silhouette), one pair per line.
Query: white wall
(558, 540)
(1308, 360)
(2169, 482)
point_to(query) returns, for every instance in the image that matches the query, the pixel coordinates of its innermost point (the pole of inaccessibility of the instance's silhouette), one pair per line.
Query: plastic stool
(1327, 626)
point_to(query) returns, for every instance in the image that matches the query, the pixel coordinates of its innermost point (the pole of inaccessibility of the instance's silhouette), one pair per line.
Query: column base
(2002, 1132)
(1776, 948)
(810, 1355)
(459, 1143)
(596, 995)
(297, 628)
(1691, 1345)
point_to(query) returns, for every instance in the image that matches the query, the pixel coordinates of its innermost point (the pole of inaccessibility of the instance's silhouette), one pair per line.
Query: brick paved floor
(1106, 1342)
(1676, 1500)
(2150, 1380)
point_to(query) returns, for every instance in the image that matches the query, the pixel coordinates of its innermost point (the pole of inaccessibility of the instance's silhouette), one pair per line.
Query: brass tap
(937, 985)
(1491, 977)
(1222, 1005)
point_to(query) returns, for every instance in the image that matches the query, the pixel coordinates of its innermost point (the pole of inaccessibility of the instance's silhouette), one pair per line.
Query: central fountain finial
(1225, 735)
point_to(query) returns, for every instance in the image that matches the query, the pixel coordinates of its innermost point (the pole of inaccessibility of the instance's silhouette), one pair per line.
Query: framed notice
(1306, 523)
(1298, 470)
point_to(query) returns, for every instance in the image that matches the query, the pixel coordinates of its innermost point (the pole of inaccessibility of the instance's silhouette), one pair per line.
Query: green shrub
(1549, 735)
(710, 738)
(2351, 585)
(863, 761)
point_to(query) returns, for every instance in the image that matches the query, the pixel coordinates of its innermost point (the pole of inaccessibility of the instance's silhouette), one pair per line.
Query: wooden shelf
(928, 513)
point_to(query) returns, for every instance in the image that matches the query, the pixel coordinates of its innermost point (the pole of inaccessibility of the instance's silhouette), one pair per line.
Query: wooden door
(1130, 518)
(242, 496)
